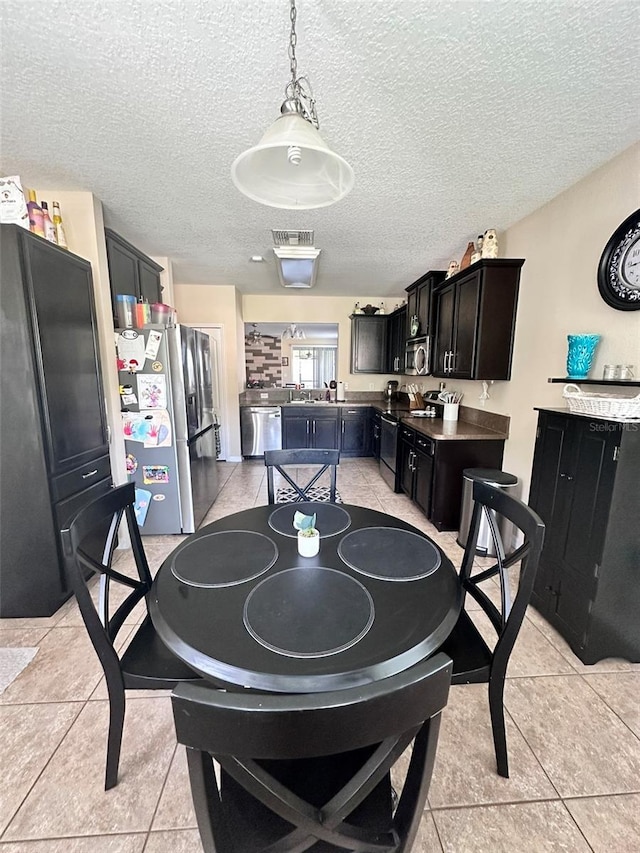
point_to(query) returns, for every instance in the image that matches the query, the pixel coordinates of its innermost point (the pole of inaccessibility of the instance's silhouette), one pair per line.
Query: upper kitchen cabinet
(475, 316)
(131, 272)
(368, 343)
(419, 295)
(396, 340)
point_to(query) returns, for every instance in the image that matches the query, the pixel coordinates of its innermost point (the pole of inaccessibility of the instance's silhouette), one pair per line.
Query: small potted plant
(308, 536)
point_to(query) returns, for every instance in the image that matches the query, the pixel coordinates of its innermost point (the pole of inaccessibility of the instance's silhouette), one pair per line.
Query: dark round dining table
(237, 603)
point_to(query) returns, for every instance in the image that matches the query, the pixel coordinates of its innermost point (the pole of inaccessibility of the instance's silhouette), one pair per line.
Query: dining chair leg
(114, 738)
(496, 709)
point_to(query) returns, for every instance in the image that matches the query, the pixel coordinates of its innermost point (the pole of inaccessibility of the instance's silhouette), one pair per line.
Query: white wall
(562, 243)
(200, 305)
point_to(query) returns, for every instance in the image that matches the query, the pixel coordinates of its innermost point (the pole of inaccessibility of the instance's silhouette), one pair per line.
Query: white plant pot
(308, 546)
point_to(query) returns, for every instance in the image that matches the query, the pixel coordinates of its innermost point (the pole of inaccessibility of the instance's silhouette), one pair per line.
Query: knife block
(416, 401)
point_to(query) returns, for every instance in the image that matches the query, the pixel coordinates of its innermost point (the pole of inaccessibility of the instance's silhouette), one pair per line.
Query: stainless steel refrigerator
(168, 420)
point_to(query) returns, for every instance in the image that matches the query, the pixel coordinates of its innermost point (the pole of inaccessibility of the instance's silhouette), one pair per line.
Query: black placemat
(225, 558)
(331, 519)
(389, 553)
(308, 612)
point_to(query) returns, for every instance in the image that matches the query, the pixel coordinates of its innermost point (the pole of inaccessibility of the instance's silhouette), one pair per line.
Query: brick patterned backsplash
(264, 361)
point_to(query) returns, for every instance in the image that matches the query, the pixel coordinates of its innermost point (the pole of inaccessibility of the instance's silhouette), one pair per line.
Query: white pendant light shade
(292, 168)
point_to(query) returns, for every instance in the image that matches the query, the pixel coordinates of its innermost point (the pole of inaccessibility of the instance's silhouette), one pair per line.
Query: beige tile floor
(573, 731)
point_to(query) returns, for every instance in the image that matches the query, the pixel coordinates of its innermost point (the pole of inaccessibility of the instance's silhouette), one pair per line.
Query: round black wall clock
(619, 267)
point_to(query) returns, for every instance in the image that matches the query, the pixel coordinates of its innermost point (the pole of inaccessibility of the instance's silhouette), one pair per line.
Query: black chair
(473, 660)
(146, 663)
(324, 460)
(312, 769)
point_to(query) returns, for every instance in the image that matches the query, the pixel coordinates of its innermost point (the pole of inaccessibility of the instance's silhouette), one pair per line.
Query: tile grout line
(44, 767)
(162, 789)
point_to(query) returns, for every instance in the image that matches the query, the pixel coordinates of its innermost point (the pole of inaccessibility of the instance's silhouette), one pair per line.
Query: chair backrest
(286, 726)
(507, 619)
(279, 460)
(89, 543)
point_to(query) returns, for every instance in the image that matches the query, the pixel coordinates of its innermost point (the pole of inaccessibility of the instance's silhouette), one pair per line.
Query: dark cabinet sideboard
(131, 272)
(475, 315)
(368, 343)
(584, 486)
(53, 423)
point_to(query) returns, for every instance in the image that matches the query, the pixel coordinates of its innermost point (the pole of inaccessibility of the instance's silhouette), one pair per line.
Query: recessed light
(256, 259)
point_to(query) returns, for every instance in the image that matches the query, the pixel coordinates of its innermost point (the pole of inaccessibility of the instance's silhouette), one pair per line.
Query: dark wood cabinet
(449, 461)
(368, 343)
(355, 431)
(430, 471)
(376, 419)
(53, 422)
(304, 428)
(131, 272)
(416, 467)
(419, 300)
(584, 486)
(475, 314)
(396, 340)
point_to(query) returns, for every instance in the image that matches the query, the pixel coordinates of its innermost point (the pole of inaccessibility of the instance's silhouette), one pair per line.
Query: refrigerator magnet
(152, 474)
(141, 506)
(129, 399)
(159, 497)
(157, 367)
(153, 344)
(152, 391)
(132, 463)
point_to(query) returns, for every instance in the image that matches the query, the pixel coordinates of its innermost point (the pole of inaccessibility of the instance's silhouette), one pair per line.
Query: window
(313, 366)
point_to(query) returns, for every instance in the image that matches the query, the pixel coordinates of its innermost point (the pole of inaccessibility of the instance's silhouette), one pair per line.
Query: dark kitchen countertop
(435, 428)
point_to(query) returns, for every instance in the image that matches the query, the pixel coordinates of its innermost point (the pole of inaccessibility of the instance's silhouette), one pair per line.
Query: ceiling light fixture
(293, 332)
(292, 167)
(254, 335)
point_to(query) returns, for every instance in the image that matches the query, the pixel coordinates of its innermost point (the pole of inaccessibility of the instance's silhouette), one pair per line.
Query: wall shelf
(630, 383)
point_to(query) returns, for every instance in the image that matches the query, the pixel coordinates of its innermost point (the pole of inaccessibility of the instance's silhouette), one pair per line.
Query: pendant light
(292, 167)
(293, 332)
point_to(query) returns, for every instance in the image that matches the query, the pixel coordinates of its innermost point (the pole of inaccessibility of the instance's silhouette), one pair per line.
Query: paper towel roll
(340, 394)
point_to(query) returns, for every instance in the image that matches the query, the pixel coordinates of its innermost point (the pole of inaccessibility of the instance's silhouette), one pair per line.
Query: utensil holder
(450, 411)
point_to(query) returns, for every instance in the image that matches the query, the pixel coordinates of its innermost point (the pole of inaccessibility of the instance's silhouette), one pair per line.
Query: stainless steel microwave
(416, 359)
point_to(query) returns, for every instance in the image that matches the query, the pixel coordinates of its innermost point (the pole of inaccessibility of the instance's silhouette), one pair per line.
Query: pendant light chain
(299, 89)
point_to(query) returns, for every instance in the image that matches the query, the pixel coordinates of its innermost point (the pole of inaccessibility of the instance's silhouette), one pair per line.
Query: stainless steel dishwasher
(261, 429)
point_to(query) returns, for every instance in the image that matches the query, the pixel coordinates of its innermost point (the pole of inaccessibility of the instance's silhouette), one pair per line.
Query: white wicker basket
(602, 405)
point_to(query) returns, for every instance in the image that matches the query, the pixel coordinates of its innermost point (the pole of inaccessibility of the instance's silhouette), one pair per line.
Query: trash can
(485, 546)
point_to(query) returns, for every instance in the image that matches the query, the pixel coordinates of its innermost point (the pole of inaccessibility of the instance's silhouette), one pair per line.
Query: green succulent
(306, 524)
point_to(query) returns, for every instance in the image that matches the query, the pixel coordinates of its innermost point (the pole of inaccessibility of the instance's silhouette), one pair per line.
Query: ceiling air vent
(292, 238)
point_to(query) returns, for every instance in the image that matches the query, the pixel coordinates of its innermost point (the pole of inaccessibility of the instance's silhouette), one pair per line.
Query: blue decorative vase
(580, 355)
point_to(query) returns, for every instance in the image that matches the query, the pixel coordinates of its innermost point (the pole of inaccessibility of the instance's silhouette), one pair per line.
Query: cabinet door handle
(566, 476)
(90, 474)
(314, 427)
(308, 428)
(343, 426)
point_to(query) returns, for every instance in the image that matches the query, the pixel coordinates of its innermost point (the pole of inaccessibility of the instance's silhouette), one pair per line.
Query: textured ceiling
(455, 115)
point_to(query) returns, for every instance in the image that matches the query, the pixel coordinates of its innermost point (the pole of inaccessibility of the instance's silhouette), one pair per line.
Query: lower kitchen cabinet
(355, 431)
(584, 486)
(431, 471)
(303, 428)
(375, 421)
(416, 467)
